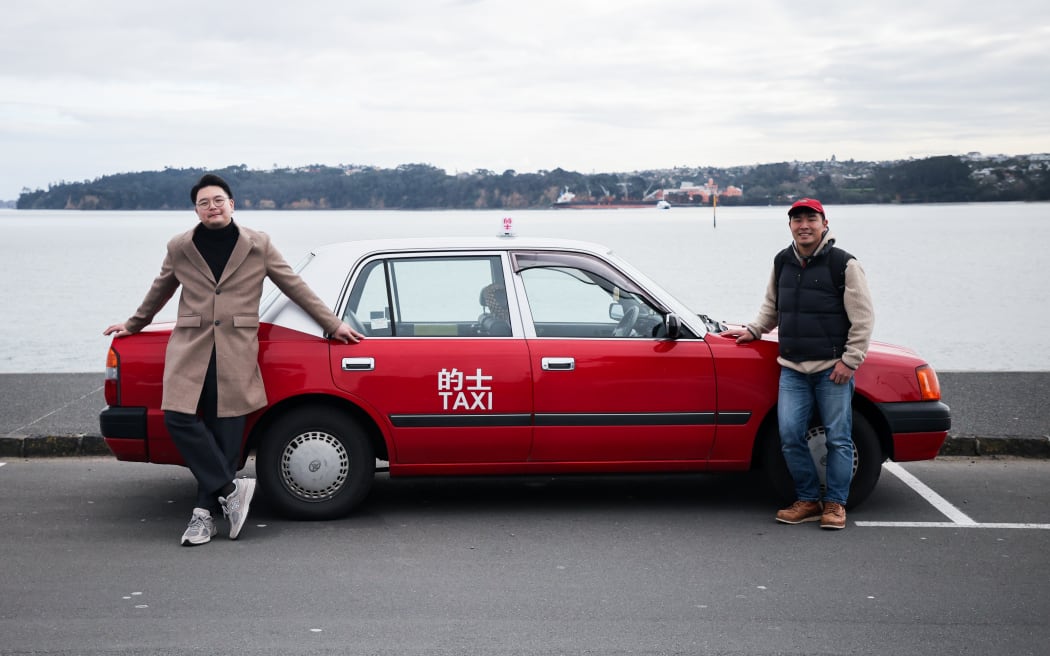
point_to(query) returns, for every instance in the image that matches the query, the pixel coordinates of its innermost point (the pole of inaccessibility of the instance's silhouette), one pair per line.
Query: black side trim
(627, 419)
(574, 419)
(917, 416)
(459, 421)
(123, 423)
(734, 418)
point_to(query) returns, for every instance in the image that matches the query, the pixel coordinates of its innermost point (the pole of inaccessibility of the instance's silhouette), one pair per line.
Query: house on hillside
(690, 193)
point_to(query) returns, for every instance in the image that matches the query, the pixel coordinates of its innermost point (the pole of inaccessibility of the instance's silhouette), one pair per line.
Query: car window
(431, 297)
(571, 301)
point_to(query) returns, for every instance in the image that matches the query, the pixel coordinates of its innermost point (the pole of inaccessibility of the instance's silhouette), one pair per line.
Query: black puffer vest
(812, 315)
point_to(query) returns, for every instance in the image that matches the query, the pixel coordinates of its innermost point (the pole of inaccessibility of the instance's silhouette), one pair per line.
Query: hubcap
(314, 466)
(818, 448)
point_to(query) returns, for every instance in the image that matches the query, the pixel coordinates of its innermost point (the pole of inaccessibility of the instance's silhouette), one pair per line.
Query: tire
(867, 461)
(315, 463)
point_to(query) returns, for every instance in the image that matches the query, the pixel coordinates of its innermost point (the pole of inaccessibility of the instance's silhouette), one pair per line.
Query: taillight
(112, 385)
(929, 386)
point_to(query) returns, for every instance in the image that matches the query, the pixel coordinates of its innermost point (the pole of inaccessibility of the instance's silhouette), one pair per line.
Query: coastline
(994, 413)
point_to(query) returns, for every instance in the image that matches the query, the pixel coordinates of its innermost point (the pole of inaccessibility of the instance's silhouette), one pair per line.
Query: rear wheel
(867, 461)
(315, 463)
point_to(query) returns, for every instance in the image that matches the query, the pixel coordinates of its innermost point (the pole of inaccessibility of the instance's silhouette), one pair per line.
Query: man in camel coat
(211, 370)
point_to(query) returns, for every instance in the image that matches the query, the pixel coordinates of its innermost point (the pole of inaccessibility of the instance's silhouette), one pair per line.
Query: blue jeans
(799, 395)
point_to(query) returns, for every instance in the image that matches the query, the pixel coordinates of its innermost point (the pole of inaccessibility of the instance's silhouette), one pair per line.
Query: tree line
(946, 178)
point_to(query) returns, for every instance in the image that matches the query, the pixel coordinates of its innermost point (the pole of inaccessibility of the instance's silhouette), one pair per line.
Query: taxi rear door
(440, 362)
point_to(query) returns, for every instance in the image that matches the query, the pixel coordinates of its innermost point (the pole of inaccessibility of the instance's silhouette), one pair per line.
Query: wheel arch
(870, 411)
(276, 411)
(767, 430)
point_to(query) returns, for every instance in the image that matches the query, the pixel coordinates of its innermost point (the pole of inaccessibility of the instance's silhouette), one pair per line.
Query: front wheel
(867, 461)
(315, 463)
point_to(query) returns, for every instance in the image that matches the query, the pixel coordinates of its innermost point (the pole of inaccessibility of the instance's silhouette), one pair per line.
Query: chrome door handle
(359, 364)
(558, 364)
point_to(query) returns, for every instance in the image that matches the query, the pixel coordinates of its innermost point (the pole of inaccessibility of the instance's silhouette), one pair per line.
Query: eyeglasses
(205, 203)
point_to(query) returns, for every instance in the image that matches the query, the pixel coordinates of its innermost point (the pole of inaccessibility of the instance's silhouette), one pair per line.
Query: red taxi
(510, 356)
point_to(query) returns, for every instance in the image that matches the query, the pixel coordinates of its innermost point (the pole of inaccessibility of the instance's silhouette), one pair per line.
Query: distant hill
(949, 178)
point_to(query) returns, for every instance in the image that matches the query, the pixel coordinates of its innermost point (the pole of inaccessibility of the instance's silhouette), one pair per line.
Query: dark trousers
(210, 445)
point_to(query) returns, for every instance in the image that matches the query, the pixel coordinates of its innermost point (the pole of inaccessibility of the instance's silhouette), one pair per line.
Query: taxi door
(439, 363)
(608, 386)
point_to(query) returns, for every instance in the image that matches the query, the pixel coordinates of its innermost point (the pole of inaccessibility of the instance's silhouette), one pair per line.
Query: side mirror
(672, 327)
(616, 311)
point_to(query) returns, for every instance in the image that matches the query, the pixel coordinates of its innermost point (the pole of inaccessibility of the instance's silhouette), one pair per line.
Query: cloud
(111, 86)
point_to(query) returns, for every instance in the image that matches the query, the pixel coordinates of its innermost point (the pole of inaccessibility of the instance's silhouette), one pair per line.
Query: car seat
(495, 319)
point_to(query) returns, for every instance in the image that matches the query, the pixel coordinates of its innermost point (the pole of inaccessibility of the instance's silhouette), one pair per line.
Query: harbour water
(965, 285)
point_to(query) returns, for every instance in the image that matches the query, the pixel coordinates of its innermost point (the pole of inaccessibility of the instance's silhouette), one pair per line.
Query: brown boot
(834, 516)
(800, 511)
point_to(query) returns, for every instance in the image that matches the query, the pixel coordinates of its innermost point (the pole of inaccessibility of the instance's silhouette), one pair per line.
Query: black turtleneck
(216, 245)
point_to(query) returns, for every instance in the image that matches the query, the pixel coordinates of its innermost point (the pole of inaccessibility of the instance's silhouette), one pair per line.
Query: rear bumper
(123, 423)
(124, 430)
(918, 428)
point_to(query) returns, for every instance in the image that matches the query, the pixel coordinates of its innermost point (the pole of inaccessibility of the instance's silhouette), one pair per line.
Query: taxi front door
(608, 400)
(608, 386)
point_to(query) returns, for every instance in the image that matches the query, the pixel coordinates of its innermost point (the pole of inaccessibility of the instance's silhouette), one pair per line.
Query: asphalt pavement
(528, 566)
(993, 413)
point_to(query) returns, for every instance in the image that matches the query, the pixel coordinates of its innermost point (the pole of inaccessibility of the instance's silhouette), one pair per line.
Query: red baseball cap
(809, 203)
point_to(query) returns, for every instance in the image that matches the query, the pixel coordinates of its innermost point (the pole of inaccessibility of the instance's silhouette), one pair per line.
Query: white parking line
(950, 525)
(958, 518)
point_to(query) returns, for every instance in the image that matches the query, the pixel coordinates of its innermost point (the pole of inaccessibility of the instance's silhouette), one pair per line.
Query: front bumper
(918, 428)
(917, 416)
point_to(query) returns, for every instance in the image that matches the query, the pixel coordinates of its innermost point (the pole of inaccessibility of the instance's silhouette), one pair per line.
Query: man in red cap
(825, 319)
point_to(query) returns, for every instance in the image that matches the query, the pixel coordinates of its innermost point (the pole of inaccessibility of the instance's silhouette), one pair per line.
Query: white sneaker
(235, 506)
(200, 529)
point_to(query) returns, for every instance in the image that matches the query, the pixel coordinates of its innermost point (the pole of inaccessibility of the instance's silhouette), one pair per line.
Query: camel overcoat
(223, 314)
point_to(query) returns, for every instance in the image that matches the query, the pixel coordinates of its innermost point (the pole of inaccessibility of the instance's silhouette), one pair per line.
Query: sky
(110, 86)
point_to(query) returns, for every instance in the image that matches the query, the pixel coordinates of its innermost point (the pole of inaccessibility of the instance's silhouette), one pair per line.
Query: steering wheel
(626, 324)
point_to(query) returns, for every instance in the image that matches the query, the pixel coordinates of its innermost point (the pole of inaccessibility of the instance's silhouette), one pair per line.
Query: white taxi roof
(367, 247)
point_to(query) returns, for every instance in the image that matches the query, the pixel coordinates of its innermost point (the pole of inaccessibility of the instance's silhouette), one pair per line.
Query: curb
(58, 446)
(52, 446)
(1008, 445)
